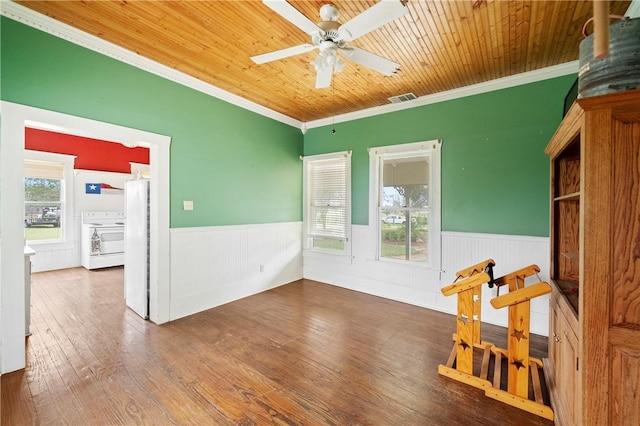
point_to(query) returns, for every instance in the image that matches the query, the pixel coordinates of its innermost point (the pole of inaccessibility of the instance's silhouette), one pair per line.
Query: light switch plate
(188, 205)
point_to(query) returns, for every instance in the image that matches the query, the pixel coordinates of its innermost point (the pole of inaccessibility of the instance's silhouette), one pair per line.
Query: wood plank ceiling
(441, 45)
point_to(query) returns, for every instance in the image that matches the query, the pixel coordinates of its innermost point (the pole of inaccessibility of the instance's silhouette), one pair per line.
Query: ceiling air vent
(402, 98)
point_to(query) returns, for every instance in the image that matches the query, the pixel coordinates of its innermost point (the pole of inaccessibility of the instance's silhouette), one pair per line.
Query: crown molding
(633, 11)
(66, 32)
(475, 89)
(58, 29)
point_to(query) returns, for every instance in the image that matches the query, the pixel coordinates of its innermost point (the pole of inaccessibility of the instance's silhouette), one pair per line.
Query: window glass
(43, 200)
(404, 207)
(42, 208)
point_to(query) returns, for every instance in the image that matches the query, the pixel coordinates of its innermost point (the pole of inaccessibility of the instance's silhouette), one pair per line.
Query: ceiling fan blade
(371, 60)
(376, 16)
(292, 15)
(323, 78)
(282, 53)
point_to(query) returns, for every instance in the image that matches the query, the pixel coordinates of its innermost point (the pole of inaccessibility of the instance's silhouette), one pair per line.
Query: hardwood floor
(302, 354)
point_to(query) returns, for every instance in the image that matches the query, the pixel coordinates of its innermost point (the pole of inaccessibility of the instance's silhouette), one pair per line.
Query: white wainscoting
(421, 286)
(214, 265)
(510, 252)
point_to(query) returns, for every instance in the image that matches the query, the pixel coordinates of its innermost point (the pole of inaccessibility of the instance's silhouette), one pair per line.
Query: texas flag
(101, 188)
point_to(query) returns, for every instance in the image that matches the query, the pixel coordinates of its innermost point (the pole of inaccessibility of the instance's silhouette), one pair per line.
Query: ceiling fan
(329, 37)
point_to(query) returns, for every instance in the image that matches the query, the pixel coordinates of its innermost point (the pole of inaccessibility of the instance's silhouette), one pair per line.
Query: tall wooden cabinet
(593, 369)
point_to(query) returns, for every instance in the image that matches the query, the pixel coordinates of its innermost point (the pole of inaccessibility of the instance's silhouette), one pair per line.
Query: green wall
(240, 167)
(495, 175)
(237, 166)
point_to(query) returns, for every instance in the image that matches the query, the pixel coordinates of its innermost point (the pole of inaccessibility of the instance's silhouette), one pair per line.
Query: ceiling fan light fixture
(327, 58)
(317, 63)
(331, 59)
(329, 36)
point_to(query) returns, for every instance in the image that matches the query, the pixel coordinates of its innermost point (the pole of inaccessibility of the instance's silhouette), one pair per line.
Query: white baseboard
(421, 286)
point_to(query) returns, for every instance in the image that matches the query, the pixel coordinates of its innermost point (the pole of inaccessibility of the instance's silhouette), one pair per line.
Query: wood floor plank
(16, 401)
(303, 353)
(93, 374)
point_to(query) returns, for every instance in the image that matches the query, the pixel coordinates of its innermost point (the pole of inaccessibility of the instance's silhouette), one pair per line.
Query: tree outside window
(43, 200)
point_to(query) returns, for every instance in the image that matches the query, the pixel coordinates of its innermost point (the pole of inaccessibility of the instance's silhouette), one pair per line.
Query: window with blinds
(327, 211)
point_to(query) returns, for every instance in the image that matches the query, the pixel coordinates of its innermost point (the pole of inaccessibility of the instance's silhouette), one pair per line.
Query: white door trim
(13, 120)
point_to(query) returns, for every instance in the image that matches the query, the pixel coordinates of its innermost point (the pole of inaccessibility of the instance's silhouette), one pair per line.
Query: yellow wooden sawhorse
(520, 365)
(468, 287)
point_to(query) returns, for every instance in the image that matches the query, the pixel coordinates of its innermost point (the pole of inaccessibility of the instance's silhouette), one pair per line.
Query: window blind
(327, 189)
(43, 169)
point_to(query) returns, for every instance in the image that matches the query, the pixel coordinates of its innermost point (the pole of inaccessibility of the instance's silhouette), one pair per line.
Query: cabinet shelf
(569, 289)
(575, 196)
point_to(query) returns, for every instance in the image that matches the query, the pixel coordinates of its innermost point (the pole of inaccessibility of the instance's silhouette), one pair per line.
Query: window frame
(307, 211)
(432, 148)
(66, 198)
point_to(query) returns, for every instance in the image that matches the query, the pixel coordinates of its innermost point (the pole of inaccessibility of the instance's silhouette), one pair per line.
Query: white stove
(102, 239)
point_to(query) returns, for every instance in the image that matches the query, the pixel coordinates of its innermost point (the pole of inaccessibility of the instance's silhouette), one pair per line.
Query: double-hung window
(406, 180)
(327, 202)
(47, 198)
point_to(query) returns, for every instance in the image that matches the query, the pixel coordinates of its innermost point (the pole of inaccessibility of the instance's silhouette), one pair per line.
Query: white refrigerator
(136, 247)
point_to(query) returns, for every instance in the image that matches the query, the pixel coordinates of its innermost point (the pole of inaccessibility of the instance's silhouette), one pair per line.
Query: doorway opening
(14, 119)
(79, 193)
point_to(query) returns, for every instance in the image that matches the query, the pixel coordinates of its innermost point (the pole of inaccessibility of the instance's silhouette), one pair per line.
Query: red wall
(91, 154)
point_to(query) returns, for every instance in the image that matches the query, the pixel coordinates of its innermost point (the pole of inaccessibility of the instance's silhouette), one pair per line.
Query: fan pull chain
(333, 105)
